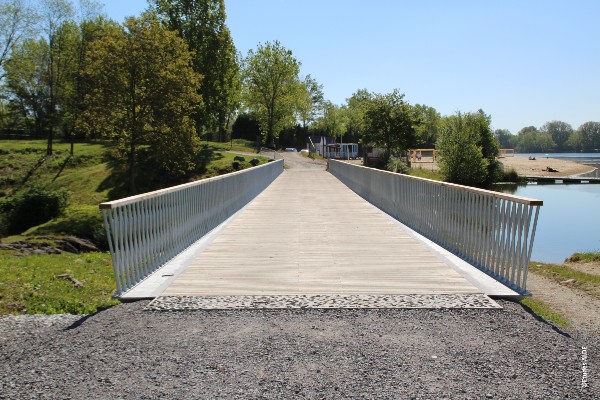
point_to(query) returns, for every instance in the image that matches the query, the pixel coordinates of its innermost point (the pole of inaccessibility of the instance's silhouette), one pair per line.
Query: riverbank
(540, 166)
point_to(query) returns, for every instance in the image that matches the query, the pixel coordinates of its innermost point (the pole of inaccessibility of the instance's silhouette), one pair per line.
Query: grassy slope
(29, 284)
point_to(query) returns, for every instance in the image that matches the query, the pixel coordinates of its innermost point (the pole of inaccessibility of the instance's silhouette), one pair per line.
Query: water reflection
(569, 220)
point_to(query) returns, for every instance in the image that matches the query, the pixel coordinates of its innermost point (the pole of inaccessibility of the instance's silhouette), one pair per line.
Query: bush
(32, 208)
(510, 176)
(254, 162)
(236, 165)
(395, 164)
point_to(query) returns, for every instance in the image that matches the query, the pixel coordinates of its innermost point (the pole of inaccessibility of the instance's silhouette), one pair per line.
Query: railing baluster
(146, 231)
(493, 231)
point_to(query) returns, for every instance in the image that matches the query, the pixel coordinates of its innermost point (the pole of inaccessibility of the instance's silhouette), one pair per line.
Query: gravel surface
(127, 352)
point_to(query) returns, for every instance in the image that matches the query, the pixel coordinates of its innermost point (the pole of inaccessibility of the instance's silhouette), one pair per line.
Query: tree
(428, 131)
(468, 150)
(272, 87)
(333, 121)
(201, 23)
(356, 108)
(144, 91)
(246, 126)
(54, 15)
(531, 140)
(590, 136)
(560, 132)
(17, 22)
(27, 82)
(310, 101)
(506, 139)
(391, 123)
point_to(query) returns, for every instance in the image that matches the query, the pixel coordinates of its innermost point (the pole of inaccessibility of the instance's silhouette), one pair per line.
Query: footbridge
(307, 236)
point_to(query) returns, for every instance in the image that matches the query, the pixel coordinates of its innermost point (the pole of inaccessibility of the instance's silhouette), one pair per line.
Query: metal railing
(490, 230)
(146, 231)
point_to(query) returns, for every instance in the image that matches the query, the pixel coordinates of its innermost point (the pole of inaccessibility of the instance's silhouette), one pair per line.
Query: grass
(544, 311)
(562, 273)
(242, 145)
(32, 284)
(29, 284)
(425, 173)
(589, 256)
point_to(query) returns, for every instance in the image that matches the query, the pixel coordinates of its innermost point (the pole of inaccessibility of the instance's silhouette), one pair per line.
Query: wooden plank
(309, 234)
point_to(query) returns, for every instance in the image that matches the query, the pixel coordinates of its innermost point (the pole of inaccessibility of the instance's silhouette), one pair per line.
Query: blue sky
(524, 62)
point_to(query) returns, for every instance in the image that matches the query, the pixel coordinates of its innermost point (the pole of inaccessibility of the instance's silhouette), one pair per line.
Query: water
(569, 220)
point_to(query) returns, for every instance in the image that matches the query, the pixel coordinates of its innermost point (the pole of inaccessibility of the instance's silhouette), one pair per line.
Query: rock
(569, 281)
(80, 244)
(68, 247)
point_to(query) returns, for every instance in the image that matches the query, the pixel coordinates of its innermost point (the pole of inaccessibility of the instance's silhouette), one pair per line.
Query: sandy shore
(538, 167)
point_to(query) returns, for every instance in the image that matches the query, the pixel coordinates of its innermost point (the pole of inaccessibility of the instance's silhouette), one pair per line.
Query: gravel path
(128, 353)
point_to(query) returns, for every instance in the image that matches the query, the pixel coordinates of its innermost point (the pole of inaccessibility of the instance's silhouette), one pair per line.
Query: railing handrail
(492, 231)
(499, 195)
(146, 231)
(171, 189)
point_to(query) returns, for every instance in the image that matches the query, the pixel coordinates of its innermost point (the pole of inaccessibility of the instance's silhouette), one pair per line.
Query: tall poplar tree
(201, 23)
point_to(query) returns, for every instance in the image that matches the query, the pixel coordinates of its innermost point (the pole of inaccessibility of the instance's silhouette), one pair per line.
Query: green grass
(560, 273)
(31, 284)
(245, 146)
(589, 256)
(541, 309)
(425, 173)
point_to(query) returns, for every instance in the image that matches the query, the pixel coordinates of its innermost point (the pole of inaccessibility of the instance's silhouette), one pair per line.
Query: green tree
(144, 91)
(590, 136)
(391, 123)
(332, 122)
(429, 130)
(201, 23)
(55, 13)
(560, 132)
(505, 139)
(531, 140)
(468, 150)
(310, 101)
(27, 82)
(17, 22)
(356, 108)
(272, 87)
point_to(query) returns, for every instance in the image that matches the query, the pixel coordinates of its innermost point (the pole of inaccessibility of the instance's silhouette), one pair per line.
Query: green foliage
(425, 173)
(144, 94)
(390, 123)
(246, 126)
(31, 208)
(560, 133)
(562, 274)
(467, 150)
(589, 256)
(332, 122)
(505, 139)
(590, 136)
(32, 284)
(397, 165)
(429, 129)
(510, 176)
(272, 88)
(531, 140)
(202, 25)
(544, 311)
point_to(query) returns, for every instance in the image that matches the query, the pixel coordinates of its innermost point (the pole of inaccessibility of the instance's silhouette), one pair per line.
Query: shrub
(510, 176)
(254, 162)
(395, 164)
(236, 165)
(32, 208)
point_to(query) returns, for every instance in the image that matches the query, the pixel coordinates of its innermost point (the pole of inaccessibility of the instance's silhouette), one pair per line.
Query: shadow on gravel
(81, 320)
(540, 319)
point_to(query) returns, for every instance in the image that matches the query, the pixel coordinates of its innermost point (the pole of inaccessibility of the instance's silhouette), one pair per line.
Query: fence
(146, 231)
(492, 231)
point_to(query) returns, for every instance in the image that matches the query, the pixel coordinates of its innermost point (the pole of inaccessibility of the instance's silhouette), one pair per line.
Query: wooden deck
(308, 233)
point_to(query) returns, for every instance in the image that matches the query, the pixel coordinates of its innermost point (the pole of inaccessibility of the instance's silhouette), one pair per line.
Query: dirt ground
(580, 309)
(538, 167)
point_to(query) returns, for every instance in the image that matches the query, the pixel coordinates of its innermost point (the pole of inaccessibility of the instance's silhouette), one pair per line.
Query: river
(569, 220)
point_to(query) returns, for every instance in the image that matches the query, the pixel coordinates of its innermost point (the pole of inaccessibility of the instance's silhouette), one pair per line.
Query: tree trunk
(131, 170)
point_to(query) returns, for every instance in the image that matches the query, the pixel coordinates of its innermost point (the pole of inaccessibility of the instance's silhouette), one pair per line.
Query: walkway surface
(309, 235)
